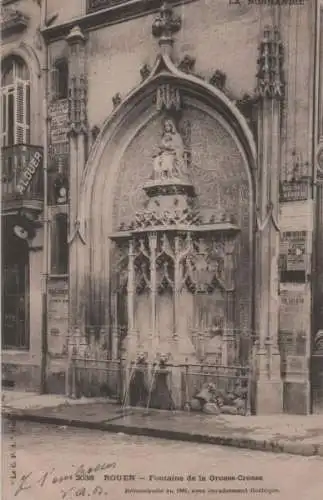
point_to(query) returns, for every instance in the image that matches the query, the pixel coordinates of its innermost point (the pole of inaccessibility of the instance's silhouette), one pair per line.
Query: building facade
(165, 228)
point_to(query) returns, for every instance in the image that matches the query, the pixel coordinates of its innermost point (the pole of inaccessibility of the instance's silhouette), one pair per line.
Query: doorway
(15, 290)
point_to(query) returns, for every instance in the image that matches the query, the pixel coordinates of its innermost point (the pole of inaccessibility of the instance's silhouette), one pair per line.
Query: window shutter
(21, 104)
(4, 127)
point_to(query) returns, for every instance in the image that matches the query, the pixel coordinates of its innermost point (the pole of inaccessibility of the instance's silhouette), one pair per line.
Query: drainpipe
(315, 190)
(44, 333)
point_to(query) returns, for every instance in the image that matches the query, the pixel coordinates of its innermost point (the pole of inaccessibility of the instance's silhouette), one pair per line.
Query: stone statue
(169, 161)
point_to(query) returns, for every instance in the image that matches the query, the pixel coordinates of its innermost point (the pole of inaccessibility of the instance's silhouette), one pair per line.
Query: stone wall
(22, 368)
(217, 36)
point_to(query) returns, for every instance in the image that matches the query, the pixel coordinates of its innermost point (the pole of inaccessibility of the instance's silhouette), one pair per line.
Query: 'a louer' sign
(29, 172)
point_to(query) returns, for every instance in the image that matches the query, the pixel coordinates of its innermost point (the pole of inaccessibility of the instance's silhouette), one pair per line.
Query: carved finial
(77, 111)
(116, 99)
(270, 65)
(165, 25)
(218, 79)
(187, 64)
(145, 71)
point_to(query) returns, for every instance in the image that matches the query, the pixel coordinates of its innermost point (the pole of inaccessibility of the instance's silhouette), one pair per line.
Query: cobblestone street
(64, 463)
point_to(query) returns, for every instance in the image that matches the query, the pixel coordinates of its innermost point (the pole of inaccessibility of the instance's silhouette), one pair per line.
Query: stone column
(229, 333)
(268, 397)
(78, 144)
(153, 292)
(114, 331)
(177, 285)
(130, 302)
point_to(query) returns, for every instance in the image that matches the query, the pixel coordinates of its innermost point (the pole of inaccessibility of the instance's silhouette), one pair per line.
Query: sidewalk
(299, 435)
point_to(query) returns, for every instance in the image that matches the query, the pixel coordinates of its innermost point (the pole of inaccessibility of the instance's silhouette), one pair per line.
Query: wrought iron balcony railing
(22, 172)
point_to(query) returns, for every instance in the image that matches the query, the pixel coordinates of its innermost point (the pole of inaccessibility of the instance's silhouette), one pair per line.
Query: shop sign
(294, 311)
(294, 190)
(29, 171)
(58, 113)
(293, 250)
(57, 314)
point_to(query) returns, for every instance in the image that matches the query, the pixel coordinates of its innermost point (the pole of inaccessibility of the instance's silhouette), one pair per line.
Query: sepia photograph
(162, 249)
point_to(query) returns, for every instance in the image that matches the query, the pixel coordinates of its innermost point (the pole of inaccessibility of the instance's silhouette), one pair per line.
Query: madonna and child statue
(170, 161)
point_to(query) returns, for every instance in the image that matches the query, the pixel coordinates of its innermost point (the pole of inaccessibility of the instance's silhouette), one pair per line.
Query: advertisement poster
(161, 264)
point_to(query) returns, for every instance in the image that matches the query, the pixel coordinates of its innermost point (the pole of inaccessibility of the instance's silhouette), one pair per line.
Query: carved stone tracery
(168, 98)
(77, 100)
(270, 65)
(174, 252)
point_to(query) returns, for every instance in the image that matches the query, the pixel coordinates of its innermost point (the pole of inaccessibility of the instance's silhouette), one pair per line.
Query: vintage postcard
(162, 249)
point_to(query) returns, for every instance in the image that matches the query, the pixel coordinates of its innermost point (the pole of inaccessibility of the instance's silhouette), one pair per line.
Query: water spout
(153, 378)
(132, 368)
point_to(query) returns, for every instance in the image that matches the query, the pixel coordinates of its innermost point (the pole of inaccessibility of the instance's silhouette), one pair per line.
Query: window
(59, 245)
(60, 79)
(15, 102)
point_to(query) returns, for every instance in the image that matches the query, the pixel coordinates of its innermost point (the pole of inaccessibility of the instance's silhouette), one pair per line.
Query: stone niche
(218, 174)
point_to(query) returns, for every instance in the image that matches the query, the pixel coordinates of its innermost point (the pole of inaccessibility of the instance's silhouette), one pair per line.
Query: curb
(275, 446)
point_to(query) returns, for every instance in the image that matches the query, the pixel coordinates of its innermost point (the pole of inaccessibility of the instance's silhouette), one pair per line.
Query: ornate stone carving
(218, 79)
(77, 116)
(116, 99)
(165, 269)
(173, 254)
(201, 273)
(145, 71)
(142, 281)
(166, 23)
(12, 21)
(168, 98)
(187, 64)
(77, 99)
(170, 160)
(167, 218)
(270, 65)
(95, 132)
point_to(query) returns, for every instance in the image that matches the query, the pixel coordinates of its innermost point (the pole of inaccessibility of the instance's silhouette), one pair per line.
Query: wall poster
(57, 322)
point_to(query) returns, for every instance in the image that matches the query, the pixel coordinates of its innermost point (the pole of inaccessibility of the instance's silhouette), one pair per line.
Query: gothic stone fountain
(173, 257)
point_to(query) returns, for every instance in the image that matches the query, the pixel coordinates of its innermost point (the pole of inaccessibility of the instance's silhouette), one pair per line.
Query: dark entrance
(317, 339)
(15, 289)
(317, 373)
(157, 397)
(317, 383)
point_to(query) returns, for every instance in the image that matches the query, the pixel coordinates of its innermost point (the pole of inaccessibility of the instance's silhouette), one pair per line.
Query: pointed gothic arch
(99, 185)
(140, 99)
